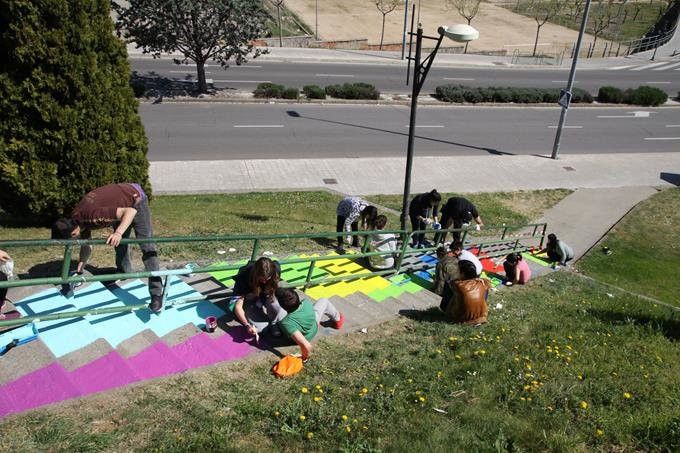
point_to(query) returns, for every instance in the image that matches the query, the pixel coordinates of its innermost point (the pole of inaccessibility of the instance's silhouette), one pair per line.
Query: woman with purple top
(122, 207)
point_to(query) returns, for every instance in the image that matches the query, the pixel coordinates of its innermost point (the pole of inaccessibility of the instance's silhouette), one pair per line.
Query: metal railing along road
(508, 238)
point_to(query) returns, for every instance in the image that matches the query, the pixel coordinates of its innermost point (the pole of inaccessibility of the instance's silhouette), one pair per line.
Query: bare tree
(466, 8)
(575, 10)
(385, 7)
(604, 15)
(542, 11)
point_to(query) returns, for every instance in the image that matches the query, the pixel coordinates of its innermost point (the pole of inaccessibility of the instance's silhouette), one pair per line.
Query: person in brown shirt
(468, 302)
(123, 207)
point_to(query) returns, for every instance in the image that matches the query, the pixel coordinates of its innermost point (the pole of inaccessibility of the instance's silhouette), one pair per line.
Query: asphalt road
(392, 78)
(221, 131)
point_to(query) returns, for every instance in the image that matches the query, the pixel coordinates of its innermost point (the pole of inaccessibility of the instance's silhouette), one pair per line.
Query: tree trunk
(382, 33)
(278, 15)
(538, 30)
(200, 69)
(466, 46)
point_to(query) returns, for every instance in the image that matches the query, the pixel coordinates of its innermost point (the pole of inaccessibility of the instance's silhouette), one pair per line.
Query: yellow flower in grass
(348, 429)
(599, 432)
(410, 381)
(580, 377)
(439, 351)
(310, 435)
(421, 399)
(627, 395)
(304, 390)
(344, 418)
(458, 357)
(302, 418)
(583, 405)
(317, 399)
(364, 390)
(277, 413)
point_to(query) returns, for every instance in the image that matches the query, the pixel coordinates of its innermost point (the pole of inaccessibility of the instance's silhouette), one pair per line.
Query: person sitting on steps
(302, 322)
(382, 242)
(517, 270)
(558, 251)
(468, 302)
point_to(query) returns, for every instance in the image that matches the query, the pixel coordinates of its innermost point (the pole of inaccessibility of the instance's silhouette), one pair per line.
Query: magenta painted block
(155, 361)
(44, 386)
(199, 350)
(6, 406)
(237, 343)
(107, 372)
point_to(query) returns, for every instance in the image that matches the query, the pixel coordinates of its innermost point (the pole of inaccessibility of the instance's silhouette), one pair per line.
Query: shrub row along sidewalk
(643, 95)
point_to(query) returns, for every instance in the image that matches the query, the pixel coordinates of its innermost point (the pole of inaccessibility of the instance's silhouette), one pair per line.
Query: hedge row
(344, 91)
(461, 93)
(642, 95)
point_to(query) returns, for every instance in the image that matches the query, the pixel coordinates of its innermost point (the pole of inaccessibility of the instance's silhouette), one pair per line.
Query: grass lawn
(561, 366)
(645, 250)
(252, 214)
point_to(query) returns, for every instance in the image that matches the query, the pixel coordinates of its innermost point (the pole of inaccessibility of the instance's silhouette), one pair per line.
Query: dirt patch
(499, 29)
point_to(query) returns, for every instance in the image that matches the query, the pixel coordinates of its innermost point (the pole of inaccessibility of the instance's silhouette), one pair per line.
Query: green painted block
(536, 259)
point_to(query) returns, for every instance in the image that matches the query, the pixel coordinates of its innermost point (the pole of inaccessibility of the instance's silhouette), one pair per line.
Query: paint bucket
(210, 323)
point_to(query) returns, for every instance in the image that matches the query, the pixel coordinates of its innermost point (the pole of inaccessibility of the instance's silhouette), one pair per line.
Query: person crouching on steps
(122, 207)
(516, 269)
(302, 322)
(350, 211)
(256, 305)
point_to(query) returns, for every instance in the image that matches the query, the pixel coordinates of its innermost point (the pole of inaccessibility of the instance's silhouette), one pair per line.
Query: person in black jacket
(423, 210)
(457, 213)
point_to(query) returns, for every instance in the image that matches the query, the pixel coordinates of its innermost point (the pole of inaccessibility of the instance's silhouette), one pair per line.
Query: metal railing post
(256, 250)
(310, 272)
(404, 248)
(66, 265)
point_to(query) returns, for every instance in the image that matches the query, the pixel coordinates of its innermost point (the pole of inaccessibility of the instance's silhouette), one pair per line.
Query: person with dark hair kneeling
(516, 269)
(302, 322)
(468, 302)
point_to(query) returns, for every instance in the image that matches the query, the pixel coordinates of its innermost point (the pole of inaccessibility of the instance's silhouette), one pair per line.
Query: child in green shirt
(302, 322)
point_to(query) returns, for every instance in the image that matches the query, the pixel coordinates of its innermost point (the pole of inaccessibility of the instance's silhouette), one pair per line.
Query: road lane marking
(672, 125)
(648, 66)
(662, 68)
(187, 72)
(562, 81)
(657, 83)
(634, 115)
(334, 75)
(427, 125)
(242, 81)
(618, 68)
(566, 127)
(257, 125)
(458, 78)
(232, 66)
(662, 138)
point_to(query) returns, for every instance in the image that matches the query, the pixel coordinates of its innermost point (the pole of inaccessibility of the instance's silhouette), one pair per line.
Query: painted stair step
(107, 372)
(137, 343)
(414, 302)
(393, 305)
(114, 327)
(47, 385)
(157, 360)
(199, 351)
(173, 317)
(93, 351)
(237, 343)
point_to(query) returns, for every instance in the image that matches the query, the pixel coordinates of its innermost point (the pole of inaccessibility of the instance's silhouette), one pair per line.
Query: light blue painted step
(173, 317)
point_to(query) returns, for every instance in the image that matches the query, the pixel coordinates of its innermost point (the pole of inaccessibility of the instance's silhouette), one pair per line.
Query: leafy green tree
(200, 30)
(68, 117)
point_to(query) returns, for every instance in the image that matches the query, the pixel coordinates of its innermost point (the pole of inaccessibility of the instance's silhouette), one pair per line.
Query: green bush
(314, 92)
(610, 95)
(68, 117)
(290, 93)
(268, 90)
(579, 95)
(645, 95)
(461, 93)
(353, 91)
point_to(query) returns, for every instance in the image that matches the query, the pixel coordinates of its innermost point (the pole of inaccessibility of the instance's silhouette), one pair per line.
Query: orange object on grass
(290, 365)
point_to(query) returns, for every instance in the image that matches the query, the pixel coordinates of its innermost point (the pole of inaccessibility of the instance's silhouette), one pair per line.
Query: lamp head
(459, 32)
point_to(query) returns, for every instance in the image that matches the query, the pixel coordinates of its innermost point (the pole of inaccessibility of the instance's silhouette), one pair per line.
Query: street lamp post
(459, 33)
(565, 97)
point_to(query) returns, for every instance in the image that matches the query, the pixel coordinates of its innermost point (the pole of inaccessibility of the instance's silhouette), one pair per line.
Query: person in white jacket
(382, 242)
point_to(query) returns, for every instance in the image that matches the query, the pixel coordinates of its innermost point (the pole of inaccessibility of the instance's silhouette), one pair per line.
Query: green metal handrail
(68, 245)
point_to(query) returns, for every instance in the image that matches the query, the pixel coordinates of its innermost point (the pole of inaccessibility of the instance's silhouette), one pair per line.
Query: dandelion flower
(317, 399)
(277, 413)
(583, 405)
(599, 432)
(627, 395)
(580, 377)
(344, 418)
(348, 429)
(364, 390)
(317, 386)
(421, 399)
(458, 357)
(304, 390)
(310, 435)
(410, 381)
(302, 418)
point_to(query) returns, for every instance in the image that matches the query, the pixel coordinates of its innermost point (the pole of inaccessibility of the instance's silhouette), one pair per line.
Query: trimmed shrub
(268, 90)
(290, 93)
(450, 93)
(551, 95)
(314, 92)
(610, 95)
(645, 95)
(68, 117)
(473, 96)
(502, 95)
(461, 93)
(353, 91)
(579, 95)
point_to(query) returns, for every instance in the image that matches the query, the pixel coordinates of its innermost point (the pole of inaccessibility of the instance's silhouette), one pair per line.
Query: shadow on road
(153, 85)
(496, 152)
